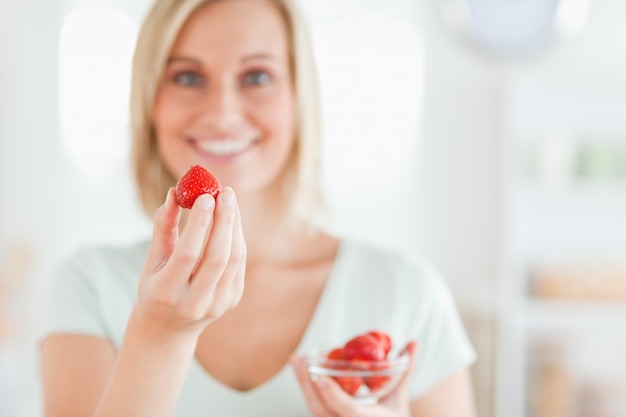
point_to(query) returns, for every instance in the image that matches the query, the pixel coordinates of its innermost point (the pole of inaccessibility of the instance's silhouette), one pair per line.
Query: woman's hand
(192, 279)
(325, 397)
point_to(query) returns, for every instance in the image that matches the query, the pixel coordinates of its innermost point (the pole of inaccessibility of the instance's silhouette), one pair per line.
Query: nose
(221, 108)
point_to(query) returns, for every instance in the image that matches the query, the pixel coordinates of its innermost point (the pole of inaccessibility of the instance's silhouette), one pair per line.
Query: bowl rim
(396, 362)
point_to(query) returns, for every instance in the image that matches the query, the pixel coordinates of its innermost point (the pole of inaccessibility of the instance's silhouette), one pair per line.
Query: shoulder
(401, 277)
(98, 264)
(389, 264)
(91, 291)
(107, 254)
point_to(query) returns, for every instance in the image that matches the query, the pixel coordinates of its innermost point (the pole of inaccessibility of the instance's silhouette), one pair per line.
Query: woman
(165, 327)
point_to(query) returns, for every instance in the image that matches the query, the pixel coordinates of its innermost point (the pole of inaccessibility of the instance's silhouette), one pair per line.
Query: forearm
(453, 397)
(149, 372)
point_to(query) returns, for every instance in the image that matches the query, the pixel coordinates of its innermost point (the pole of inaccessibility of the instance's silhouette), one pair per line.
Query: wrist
(150, 369)
(150, 332)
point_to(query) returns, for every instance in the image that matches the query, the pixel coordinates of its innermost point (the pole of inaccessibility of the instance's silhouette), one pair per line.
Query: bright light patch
(371, 76)
(572, 17)
(95, 57)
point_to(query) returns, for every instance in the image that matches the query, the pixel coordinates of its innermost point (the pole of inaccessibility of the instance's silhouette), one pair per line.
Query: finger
(337, 400)
(313, 400)
(411, 348)
(239, 284)
(217, 252)
(165, 232)
(188, 249)
(230, 287)
(403, 385)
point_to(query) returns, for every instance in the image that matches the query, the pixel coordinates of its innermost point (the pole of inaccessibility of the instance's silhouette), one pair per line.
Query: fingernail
(206, 201)
(168, 196)
(227, 197)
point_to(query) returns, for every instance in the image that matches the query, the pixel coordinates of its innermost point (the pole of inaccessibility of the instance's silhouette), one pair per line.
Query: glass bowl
(362, 379)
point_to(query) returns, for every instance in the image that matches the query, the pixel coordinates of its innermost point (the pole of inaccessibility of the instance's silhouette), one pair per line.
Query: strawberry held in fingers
(197, 181)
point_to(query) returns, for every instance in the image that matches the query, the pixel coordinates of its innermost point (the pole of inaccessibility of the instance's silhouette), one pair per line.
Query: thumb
(400, 392)
(164, 233)
(411, 348)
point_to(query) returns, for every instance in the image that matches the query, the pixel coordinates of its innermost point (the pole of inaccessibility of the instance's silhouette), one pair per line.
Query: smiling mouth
(224, 147)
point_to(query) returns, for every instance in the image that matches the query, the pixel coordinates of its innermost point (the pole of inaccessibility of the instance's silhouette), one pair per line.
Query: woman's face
(226, 100)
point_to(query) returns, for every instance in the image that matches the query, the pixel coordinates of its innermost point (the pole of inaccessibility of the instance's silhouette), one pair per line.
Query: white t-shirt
(93, 293)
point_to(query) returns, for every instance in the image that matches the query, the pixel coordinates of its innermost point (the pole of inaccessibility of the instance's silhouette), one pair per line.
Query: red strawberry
(384, 339)
(335, 354)
(376, 382)
(198, 180)
(364, 347)
(349, 384)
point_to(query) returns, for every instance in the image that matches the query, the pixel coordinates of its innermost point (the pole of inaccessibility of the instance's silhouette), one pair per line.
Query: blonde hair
(302, 176)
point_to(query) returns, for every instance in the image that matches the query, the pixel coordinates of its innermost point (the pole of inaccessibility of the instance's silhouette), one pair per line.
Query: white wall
(28, 131)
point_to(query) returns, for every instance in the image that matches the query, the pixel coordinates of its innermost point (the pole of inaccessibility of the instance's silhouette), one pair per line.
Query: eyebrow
(183, 59)
(251, 57)
(263, 56)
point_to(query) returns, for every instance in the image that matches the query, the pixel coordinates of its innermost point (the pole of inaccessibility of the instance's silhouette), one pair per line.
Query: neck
(271, 239)
(268, 236)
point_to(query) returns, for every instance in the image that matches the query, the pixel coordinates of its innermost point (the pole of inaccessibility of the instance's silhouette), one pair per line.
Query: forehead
(234, 28)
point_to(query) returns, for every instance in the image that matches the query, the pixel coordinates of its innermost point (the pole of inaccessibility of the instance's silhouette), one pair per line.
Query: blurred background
(489, 135)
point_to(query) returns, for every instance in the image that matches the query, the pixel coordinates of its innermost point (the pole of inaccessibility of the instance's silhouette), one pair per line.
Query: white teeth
(224, 147)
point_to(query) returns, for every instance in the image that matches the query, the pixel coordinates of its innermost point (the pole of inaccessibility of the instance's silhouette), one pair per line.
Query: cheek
(279, 119)
(169, 123)
(164, 116)
(169, 118)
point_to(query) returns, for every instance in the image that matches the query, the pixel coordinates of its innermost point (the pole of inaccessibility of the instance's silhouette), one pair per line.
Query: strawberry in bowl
(366, 367)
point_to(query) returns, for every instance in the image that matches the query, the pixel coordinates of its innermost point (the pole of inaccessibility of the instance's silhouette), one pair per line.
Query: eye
(257, 78)
(188, 79)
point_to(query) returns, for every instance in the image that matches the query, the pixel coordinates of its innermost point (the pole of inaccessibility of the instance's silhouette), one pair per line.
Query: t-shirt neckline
(336, 270)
